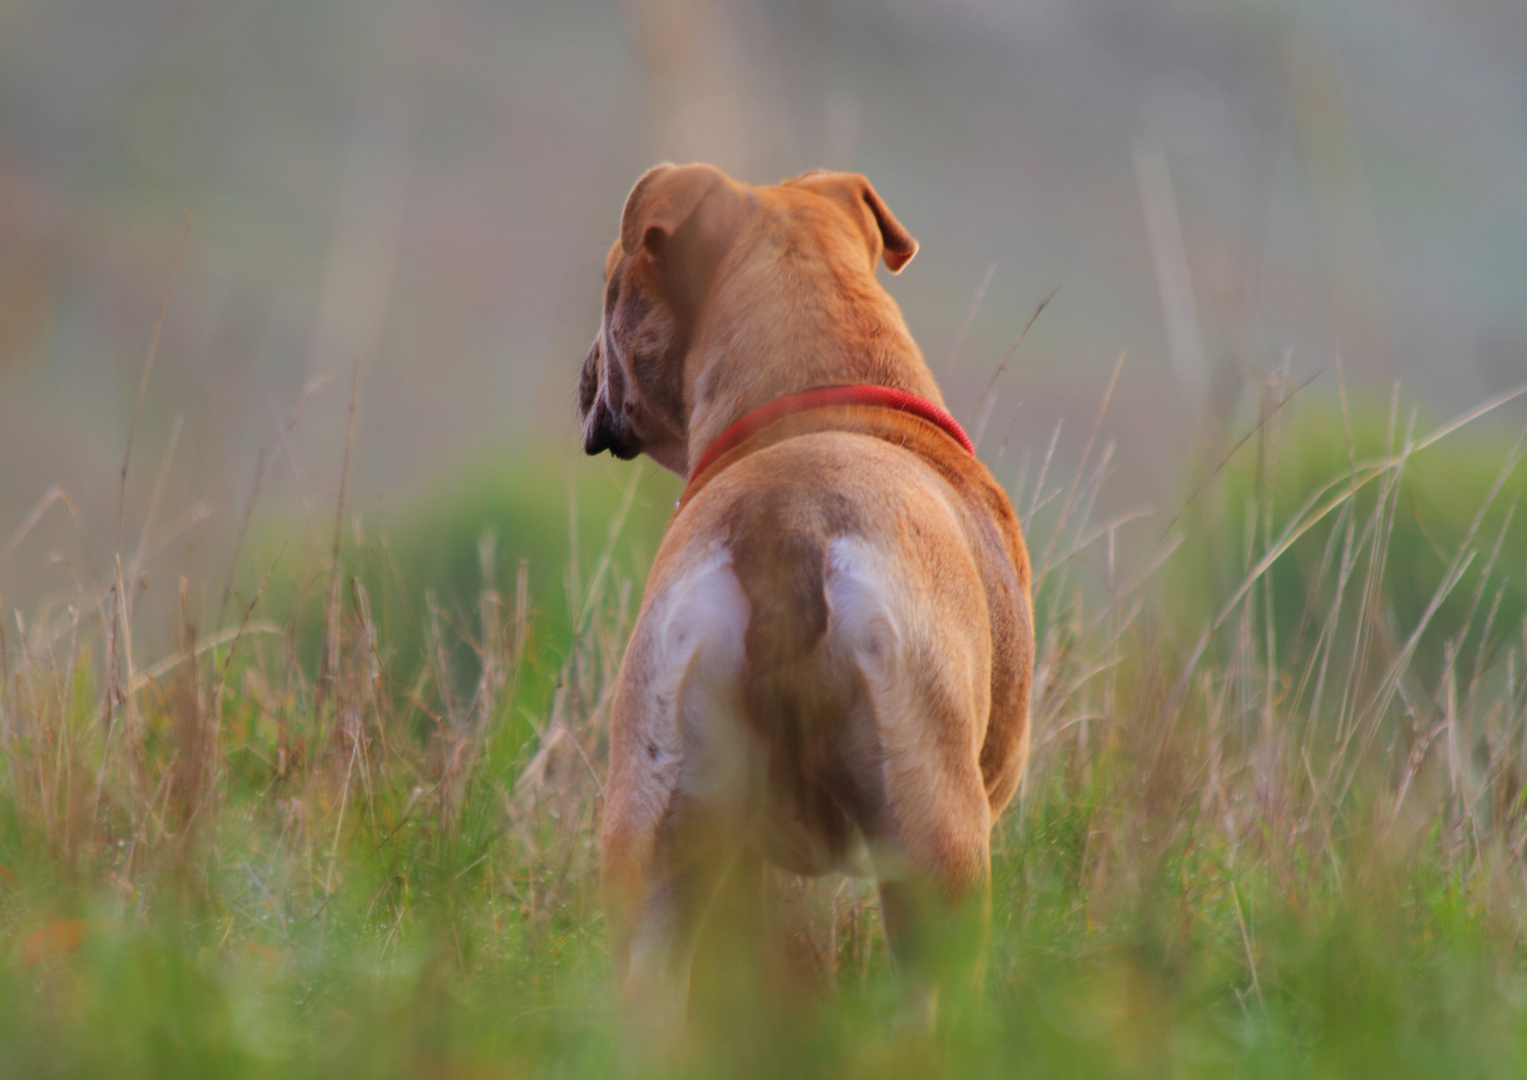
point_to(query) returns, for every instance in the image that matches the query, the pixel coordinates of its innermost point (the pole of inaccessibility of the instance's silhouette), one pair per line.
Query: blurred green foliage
(421, 565)
(554, 515)
(1433, 516)
(1195, 968)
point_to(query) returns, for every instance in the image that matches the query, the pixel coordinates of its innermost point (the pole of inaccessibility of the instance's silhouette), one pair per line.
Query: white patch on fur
(861, 616)
(692, 744)
(866, 623)
(697, 663)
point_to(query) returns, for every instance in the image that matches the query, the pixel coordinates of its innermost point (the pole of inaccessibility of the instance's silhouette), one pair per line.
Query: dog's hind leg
(694, 851)
(933, 866)
(936, 926)
(925, 814)
(680, 793)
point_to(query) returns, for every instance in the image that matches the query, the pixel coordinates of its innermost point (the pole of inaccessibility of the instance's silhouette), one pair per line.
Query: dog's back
(875, 641)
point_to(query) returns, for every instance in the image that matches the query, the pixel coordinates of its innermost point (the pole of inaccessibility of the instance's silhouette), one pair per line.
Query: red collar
(883, 396)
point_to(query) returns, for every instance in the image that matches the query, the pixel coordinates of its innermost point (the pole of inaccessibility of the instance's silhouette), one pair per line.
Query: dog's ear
(886, 236)
(700, 200)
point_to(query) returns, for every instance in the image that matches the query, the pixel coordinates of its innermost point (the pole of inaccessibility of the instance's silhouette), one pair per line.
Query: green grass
(1274, 825)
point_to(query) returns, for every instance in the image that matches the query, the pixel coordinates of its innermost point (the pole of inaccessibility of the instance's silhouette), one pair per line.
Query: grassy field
(1274, 826)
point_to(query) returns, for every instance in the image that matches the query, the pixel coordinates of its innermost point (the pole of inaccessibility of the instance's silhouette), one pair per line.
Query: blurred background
(422, 194)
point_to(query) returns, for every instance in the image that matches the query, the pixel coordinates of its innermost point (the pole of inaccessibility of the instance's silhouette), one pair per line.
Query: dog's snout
(596, 428)
(604, 430)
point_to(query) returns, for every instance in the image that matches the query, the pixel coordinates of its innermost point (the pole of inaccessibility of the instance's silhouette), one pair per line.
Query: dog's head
(682, 228)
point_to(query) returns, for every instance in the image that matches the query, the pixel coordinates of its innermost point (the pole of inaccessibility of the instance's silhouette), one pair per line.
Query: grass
(1275, 823)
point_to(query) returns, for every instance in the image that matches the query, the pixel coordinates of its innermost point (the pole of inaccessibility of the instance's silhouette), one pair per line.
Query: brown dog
(831, 666)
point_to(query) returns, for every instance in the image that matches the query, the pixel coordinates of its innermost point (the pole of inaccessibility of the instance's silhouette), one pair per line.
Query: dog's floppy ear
(667, 198)
(887, 237)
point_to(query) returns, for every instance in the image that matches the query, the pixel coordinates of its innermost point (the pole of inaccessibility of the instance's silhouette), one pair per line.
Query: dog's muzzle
(604, 430)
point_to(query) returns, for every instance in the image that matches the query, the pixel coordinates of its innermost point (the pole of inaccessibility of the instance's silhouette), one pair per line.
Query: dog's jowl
(830, 670)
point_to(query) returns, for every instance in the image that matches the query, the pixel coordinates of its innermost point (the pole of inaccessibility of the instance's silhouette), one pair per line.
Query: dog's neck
(780, 332)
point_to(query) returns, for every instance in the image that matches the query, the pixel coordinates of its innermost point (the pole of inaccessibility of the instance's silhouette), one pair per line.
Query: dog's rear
(821, 693)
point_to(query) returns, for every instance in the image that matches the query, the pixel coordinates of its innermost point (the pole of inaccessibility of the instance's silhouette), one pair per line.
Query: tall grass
(308, 840)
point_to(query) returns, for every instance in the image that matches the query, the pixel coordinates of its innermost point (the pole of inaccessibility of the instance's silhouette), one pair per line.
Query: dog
(831, 665)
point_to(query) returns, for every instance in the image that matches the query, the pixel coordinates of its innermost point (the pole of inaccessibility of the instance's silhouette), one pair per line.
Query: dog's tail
(790, 700)
(782, 576)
